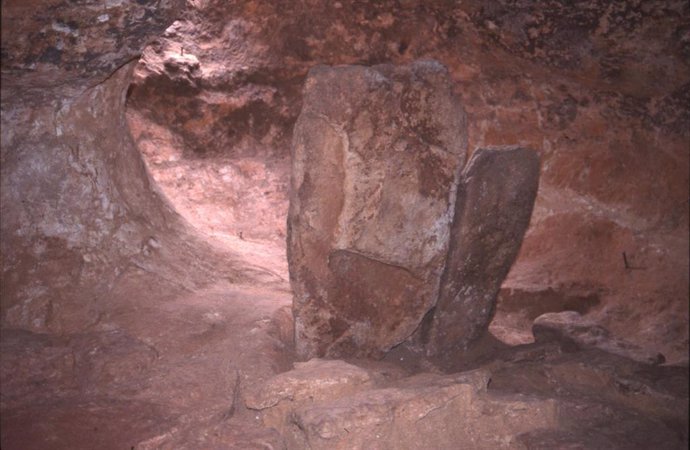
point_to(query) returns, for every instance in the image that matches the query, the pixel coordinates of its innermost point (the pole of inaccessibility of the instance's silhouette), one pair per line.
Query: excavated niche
(213, 143)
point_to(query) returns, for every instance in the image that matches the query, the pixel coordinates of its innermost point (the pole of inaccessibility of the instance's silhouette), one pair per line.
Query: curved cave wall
(78, 206)
(599, 89)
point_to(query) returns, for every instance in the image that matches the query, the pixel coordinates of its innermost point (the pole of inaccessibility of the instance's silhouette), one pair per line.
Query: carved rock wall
(77, 204)
(600, 90)
(578, 82)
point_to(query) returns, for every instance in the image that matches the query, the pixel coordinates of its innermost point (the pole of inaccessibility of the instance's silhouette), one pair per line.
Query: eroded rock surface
(377, 155)
(530, 397)
(107, 337)
(403, 413)
(77, 205)
(577, 82)
(310, 382)
(574, 330)
(89, 251)
(409, 416)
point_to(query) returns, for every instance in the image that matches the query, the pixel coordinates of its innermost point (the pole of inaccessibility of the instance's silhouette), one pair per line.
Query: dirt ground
(162, 361)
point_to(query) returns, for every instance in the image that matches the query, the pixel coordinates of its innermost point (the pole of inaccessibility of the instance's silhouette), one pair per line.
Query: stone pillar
(377, 154)
(387, 241)
(493, 208)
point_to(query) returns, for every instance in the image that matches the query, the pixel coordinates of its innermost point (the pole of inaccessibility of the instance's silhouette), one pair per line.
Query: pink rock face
(579, 86)
(573, 330)
(376, 159)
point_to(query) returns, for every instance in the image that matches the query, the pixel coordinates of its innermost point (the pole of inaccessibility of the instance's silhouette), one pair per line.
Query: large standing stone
(376, 159)
(493, 209)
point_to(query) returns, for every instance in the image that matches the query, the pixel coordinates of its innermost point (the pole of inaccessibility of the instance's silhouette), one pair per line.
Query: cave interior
(311, 224)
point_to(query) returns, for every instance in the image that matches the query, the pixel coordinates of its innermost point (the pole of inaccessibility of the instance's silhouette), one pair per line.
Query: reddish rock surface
(577, 83)
(371, 246)
(536, 396)
(122, 326)
(575, 331)
(116, 316)
(376, 158)
(77, 206)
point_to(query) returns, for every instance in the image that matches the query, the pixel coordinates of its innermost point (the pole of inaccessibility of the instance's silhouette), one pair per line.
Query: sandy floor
(163, 363)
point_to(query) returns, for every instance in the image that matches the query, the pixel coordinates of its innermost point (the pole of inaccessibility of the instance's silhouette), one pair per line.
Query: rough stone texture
(395, 413)
(517, 308)
(225, 196)
(108, 335)
(493, 209)
(66, 234)
(51, 45)
(376, 158)
(528, 397)
(212, 85)
(310, 382)
(168, 368)
(605, 401)
(577, 82)
(213, 133)
(411, 416)
(599, 89)
(570, 328)
(77, 206)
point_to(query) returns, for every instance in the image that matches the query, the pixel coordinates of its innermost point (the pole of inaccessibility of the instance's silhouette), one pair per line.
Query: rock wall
(77, 204)
(577, 82)
(599, 89)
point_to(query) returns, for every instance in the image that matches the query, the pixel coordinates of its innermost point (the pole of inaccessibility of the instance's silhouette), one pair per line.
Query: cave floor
(168, 366)
(162, 364)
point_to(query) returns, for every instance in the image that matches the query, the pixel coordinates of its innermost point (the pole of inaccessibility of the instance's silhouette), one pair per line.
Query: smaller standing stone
(494, 205)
